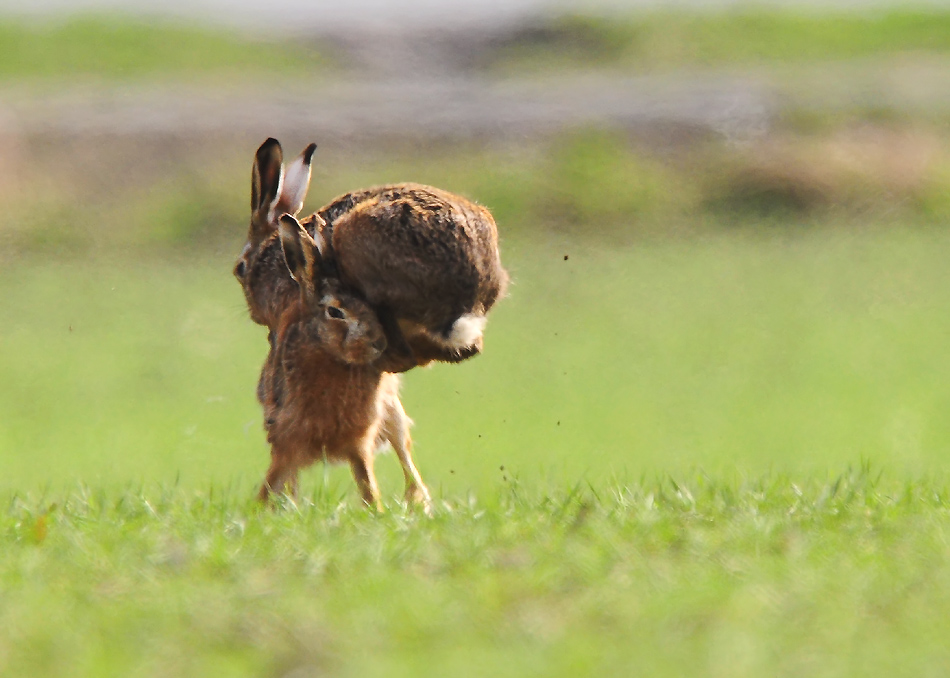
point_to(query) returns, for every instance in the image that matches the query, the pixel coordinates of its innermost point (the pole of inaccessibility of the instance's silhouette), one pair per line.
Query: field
(750, 35)
(735, 475)
(809, 350)
(777, 574)
(125, 49)
(707, 436)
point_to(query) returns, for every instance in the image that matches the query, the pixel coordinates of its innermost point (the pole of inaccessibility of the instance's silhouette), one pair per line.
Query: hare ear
(266, 178)
(300, 254)
(319, 234)
(293, 190)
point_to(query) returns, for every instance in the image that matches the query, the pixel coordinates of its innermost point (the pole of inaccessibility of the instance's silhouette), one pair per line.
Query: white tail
(466, 330)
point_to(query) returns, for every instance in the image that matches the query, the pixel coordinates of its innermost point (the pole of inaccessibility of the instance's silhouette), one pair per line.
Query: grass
(125, 49)
(801, 350)
(665, 40)
(706, 438)
(584, 184)
(842, 575)
(714, 455)
(91, 48)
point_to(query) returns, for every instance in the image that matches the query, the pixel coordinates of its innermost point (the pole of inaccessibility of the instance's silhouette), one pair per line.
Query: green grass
(583, 185)
(842, 575)
(800, 350)
(706, 438)
(741, 37)
(104, 47)
(775, 361)
(127, 49)
(707, 447)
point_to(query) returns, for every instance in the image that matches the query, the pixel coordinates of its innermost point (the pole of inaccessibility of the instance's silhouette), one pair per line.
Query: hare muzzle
(240, 268)
(361, 350)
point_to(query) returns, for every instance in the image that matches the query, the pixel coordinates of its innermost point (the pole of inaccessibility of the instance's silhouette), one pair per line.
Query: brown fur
(421, 256)
(429, 255)
(324, 397)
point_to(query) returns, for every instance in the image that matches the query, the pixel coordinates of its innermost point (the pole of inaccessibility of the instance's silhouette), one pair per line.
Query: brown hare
(323, 392)
(426, 260)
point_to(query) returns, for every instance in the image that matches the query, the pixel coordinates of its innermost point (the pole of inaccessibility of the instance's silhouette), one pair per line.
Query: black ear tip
(268, 148)
(308, 153)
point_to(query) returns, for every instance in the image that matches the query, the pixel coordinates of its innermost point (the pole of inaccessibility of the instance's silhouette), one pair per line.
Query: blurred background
(726, 226)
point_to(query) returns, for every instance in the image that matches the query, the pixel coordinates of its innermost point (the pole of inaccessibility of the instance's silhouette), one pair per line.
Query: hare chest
(330, 411)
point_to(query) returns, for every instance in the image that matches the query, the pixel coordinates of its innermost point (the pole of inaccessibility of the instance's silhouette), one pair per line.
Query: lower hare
(323, 393)
(426, 260)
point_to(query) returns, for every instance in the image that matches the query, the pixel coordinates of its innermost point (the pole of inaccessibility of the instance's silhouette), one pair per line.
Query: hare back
(427, 254)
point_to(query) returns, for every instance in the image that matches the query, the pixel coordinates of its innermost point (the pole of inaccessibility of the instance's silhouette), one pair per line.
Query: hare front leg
(398, 356)
(361, 464)
(281, 474)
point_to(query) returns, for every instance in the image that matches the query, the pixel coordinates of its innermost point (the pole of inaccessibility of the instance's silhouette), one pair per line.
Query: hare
(324, 396)
(268, 288)
(426, 260)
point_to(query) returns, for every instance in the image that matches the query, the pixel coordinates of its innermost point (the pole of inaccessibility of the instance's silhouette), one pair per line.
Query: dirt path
(454, 105)
(419, 83)
(437, 108)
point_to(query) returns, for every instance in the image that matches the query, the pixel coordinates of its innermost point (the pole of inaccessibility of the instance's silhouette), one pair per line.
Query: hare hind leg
(396, 430)
(281, 475)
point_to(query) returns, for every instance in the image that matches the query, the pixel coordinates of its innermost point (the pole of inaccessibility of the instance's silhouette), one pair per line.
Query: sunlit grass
(747, 36)
(116, 47)
(127, 49)
(706, 436)
(707, 455)
(788, 349)
(839, 574)
(590, 186)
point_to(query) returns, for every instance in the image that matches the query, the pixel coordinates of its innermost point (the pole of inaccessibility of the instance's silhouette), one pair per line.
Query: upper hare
(425, 259)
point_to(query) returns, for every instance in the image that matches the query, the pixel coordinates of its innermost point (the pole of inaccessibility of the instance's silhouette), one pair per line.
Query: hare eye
(334, 312)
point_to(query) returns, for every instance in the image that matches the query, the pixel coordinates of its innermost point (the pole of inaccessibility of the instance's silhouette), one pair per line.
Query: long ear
(293, 190)
(266, 177)
(319, 234)
(300, 254)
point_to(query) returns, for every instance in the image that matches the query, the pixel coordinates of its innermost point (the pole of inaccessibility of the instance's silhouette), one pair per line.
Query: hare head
(274, 192)
(334, 320)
